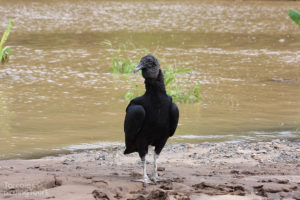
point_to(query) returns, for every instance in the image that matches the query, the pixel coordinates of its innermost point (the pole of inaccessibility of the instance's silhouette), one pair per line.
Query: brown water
(56, 93)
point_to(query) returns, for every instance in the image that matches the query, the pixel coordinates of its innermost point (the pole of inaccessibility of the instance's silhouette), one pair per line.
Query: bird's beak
(140, 66)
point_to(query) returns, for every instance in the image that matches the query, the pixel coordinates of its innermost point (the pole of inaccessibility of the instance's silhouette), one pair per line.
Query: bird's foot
(144, 180)
(157, 179)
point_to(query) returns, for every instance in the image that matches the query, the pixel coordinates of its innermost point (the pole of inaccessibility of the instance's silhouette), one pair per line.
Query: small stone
(65, 162)
(296, 195)
(158, 194)
(50, 197)
(57, 181)
(166, 187)
(161, 169)
(100, 195)
(273, 188)
(36, 166)
(135, 174)
(280, 181)
(234, 172)
(100, 157)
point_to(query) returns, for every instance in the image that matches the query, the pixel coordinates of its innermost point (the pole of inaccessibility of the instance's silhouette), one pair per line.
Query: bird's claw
(145, 181)
(157, 179)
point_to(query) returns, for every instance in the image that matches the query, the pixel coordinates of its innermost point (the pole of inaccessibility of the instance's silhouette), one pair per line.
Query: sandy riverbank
(264, 170)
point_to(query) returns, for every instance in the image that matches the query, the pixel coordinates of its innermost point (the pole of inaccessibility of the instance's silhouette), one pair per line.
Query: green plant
(5, 51)
(295, 16)
(121, 61)
(176, 88)
(134, 91)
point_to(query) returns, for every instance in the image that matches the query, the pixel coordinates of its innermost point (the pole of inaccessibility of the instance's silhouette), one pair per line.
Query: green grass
(5, 51)
(175, 86)
(126, 57)
(179, 90)
(134, 91)
(121, 59)
(295, 16)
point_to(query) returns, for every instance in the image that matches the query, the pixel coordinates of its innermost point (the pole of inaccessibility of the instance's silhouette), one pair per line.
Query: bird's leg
(155, 177)
(145, 180)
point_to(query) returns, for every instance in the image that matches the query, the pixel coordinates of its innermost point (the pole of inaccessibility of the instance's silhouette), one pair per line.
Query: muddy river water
(57, 92)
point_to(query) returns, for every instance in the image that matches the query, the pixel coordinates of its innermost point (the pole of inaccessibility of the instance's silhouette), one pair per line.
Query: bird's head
(150, 67)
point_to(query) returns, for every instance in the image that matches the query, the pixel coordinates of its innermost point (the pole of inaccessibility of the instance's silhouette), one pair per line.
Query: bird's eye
(151, 63)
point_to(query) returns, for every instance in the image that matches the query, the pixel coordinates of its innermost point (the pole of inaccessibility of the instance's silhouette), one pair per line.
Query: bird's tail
(129, 150)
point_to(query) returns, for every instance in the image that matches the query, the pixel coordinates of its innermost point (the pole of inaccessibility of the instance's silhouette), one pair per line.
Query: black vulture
(150, 119)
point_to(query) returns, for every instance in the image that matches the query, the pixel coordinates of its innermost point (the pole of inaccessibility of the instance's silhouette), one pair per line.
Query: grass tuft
(5, 51)
(175, 86)
(295, 16)
(121, 63)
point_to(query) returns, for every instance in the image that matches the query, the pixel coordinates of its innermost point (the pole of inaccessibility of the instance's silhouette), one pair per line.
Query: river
(57, 93)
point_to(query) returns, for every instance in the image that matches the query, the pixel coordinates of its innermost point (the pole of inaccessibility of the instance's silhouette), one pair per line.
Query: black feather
(174, 116)
(152, 118)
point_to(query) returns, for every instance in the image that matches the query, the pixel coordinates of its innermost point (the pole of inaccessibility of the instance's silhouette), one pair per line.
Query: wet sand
(263, 170)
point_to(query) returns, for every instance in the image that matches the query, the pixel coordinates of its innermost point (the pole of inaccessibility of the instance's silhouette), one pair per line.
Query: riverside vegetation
(127, 57)
(5, 51)
(295, 16)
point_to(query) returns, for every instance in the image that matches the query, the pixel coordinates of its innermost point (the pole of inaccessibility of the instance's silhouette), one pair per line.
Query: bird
(151, 118)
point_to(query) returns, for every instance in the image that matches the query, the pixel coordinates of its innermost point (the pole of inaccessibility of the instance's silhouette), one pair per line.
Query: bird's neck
(155, 85)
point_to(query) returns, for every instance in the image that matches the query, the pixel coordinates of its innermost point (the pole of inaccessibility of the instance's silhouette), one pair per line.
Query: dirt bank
(264, 170)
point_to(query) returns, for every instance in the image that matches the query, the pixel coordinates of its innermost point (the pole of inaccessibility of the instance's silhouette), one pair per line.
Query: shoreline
(175, 140)
(244, 170)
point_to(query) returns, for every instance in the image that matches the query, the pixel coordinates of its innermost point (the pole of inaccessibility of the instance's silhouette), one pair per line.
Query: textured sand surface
(264, 170)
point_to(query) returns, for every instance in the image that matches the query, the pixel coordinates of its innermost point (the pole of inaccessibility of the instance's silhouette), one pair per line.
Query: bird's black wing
(135, 115)
(174, 116)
